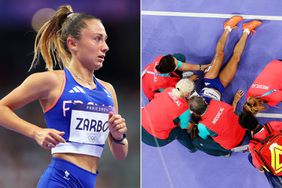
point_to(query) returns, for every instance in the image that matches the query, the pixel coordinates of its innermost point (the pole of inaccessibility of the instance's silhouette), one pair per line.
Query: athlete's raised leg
(229, 71)
(219, 53)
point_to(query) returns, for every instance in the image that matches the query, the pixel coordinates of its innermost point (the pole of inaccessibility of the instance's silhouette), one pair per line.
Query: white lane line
(207, 15)
(269, 115)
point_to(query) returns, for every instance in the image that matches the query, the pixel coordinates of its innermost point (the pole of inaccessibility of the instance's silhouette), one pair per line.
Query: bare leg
(229, 71)
(219, 56)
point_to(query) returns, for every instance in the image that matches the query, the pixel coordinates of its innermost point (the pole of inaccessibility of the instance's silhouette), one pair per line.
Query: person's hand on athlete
(117, 126)
(49, 138)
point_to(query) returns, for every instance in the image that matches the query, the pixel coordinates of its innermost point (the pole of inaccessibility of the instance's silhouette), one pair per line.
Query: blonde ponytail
(51, 39)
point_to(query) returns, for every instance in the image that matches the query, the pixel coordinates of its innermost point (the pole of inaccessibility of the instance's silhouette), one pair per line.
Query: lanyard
(268, 93)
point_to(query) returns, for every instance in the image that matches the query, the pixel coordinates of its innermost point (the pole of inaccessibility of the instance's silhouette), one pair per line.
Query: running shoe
(252, 25)
(233, 21)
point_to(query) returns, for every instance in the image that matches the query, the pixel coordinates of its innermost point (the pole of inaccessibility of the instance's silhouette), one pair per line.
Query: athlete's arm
(117, 127)
(37, 86)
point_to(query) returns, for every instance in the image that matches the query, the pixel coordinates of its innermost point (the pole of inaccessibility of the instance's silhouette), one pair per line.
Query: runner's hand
(117, 126)
(49, 138)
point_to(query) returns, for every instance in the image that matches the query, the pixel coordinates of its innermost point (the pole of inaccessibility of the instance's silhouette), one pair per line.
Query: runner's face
(92, 46)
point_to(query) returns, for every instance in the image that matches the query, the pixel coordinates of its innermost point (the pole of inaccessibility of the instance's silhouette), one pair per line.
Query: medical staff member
(165, 71)
(166, 117)
(217, 125)
(266, 89)
(259, 133)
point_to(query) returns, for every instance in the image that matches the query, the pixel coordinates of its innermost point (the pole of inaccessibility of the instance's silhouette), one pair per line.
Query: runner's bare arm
(37, 86)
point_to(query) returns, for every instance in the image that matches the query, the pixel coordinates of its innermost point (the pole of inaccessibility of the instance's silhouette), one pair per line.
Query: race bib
(89, 124)
(211, 93)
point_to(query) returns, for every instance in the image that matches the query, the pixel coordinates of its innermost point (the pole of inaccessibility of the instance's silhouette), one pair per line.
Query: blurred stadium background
(22, 161)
